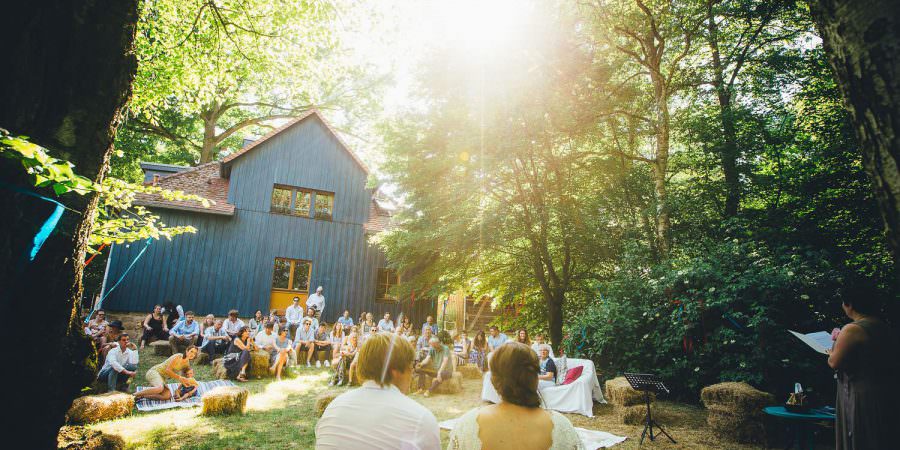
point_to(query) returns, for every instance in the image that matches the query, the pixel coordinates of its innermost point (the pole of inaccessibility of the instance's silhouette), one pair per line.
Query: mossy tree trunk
(68, 69)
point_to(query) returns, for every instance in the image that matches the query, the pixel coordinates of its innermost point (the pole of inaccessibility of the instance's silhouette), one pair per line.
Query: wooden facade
(229, 262)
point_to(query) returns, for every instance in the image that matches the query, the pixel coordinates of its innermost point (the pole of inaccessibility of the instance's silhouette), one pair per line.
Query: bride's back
(507, 426)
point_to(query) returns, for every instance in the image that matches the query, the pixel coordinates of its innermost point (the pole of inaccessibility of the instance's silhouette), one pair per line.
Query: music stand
(648, 383)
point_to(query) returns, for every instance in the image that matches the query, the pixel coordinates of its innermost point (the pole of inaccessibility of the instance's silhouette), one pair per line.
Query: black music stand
(648, 383)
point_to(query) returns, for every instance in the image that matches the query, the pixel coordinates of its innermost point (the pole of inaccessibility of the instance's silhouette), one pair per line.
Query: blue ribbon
(49, 224)
(727, 317)
(130, 266)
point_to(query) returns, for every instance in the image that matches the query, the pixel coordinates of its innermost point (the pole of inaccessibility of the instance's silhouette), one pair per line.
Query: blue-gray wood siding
(228, 263)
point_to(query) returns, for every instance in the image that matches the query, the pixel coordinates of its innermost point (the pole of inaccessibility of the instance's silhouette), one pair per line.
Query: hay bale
(225, 400)
(219, 371)
(451, 386)
(161, 348)
(202, 358)
(619, 393)
(737, 398)
(259, 364)
(736, 427)
(94, 408)
(470, 372)
(81, 438)
(323, 400)
(634, 415)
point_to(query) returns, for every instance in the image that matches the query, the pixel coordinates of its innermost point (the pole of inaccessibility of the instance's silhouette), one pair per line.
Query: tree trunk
(862, 40)
(555, 303)
(68, 74)
(728, 152)
(661, 165)
(208, 152)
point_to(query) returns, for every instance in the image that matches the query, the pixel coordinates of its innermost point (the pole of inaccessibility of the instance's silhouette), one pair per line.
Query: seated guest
(305, 341)
(283, 352)
(362, 318)
(283, 323)
(461, 347)
(518, 421)
(215, 340)
(522, 337)
(496, 339)
(154, 326)
(429, 323)
(265, 339)
(378, 415)
(547, 373)
(170, 368)
(404, 326)
(187, 388)
(368, 325)
(109, 339)
(174, 314)
(343, 361)
(233, 325)
(422, 344)
(185, 333)
(538, 342)
(237, 359)
(437, 365)
(386, 324)
(338, 336)
(346, 320)
(96, 327)
(479, 351)
(311, 317)
(208, 321)
(294, 315)
(323, 346)
(256, 323)
(120, 365)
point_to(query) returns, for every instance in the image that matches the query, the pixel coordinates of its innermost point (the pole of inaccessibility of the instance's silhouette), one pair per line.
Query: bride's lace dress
(465, 433)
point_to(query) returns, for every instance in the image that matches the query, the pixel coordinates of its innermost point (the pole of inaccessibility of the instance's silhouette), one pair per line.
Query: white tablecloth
(577, 397)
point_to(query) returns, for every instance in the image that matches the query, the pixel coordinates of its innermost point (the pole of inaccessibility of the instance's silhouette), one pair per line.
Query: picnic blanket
(591, 439)
(197, 400)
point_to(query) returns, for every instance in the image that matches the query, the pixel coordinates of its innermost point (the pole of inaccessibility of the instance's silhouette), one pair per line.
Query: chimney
(155, 179)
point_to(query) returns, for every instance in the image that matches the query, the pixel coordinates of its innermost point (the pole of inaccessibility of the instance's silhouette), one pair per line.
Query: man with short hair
(120, 365)
(386, 324)
(215, 340)
(495, 339)
(305, 341)
(436, 365)
(422, 344)
(294, 315)
(316, 301)
(233, 325)
(346, 320)
(265, 339)
(184, 333)
(429, 323)
(109, 339)
(311, 317)
(379, 414)
(323, 346)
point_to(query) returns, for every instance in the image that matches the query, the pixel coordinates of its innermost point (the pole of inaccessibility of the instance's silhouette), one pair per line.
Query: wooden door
(290, 278)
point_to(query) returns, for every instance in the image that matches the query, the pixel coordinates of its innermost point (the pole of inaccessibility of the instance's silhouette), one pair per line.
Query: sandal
(241, 377)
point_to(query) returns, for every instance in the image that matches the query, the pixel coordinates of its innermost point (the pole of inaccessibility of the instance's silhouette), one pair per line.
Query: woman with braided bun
(518, 421)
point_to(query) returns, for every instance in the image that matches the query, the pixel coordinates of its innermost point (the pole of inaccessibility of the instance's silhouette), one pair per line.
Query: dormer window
(302, 202)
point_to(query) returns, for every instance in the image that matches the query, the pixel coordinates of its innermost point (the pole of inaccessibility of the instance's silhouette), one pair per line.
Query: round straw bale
(634, 415)
(259, 364)
(225, 400)
(81, 438)
(736, 428)
(736, 397)
(619, 393)
(219, 370)
(451, 386)
(470, 372)
(161, 348)
(94, 408)
(323, 400)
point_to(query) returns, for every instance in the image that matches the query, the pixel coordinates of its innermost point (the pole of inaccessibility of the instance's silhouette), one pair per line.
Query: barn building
(292, 212)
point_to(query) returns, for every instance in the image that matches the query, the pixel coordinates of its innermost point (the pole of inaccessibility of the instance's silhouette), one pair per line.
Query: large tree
(68, 73)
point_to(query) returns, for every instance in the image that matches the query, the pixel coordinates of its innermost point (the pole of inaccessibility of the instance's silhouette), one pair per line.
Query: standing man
(316, 302)
(386, 324)
(233, 325)
(215, 340)
(429, 323)
(294, 316)
(121, 360)
(185, 333)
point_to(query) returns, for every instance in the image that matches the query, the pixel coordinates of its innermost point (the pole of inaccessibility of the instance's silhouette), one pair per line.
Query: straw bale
(202, 358)
(219, 370)
(81, 438)
(225, 400)
(323, 400)
(736, 398)
(259, 364)
(94, 408)
(451, 386)
(161, 348)
(619, 393)
(634, 415)
(470, 372)
(736, 428)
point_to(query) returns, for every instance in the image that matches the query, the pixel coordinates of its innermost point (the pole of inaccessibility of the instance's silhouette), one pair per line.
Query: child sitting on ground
(188, 388)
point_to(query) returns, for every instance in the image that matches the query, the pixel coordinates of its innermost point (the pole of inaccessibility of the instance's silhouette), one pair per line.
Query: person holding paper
(866, 364)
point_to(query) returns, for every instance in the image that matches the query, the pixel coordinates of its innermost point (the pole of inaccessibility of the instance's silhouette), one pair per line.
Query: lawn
(281, 415)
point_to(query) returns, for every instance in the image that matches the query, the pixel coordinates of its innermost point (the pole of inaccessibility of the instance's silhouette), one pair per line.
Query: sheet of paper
(820, 341)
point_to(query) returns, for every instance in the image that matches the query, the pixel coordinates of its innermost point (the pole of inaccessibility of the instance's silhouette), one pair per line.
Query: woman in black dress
(237, 358)
(864, 357)
(154, 327)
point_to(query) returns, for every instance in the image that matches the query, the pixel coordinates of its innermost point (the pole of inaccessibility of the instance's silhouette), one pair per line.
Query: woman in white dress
(518, 421)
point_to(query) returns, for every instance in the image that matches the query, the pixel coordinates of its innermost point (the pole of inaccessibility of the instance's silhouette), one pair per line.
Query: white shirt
(293, 314)
(264, 340)
(233, 327)
(375, 417)
(316, 301)
(116, 358)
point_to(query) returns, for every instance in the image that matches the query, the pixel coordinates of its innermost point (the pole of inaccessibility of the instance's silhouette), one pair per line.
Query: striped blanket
(154, 405)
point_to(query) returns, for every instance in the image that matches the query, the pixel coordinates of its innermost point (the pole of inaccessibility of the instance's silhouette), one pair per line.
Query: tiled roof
(311, 113)
(203, 180)
(379, 218)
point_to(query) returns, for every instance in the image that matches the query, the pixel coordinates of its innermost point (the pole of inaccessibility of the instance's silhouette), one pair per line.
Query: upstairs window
(386, 280)
(299, 202)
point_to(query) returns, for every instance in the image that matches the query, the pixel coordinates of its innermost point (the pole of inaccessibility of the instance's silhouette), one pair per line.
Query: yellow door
(290, 278)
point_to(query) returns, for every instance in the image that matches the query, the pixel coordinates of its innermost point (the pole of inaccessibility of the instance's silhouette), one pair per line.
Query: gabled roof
(379, 218)
(227, 161)
(203, 180)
